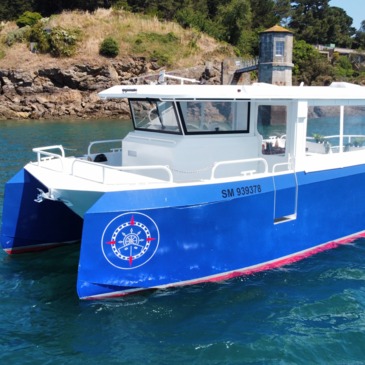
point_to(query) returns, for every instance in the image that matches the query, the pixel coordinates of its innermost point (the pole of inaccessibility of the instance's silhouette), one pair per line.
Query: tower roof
(277, 29)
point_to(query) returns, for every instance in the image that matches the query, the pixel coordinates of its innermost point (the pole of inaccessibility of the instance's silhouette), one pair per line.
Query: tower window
(279, 48)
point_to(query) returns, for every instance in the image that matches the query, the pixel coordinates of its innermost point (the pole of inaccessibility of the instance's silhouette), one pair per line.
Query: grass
(137, 35)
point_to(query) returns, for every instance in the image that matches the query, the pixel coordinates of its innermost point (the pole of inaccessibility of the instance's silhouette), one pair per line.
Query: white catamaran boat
(212, 183)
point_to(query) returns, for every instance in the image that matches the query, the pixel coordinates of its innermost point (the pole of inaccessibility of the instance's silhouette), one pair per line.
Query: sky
(354, 8)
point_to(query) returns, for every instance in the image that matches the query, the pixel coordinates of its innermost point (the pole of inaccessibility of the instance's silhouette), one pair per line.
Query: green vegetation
(109, 47)
(28, 18)
(62, 42)
(57, 41)
(40, 37)
(234, 23)
(309, 65)
(18, 35)
(343, 67)
(149, 44)
(314, 21)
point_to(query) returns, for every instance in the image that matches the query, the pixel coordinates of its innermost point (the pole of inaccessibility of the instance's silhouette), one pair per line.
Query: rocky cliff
(71, 92)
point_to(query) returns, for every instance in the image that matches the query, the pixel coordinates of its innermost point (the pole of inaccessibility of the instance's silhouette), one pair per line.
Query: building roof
(277, 29)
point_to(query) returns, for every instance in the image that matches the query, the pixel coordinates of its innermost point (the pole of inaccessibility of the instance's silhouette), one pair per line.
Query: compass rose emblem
(130, 240)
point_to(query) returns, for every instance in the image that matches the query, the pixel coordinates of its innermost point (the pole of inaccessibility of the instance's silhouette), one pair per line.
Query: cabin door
(277, 148)
(285, 196)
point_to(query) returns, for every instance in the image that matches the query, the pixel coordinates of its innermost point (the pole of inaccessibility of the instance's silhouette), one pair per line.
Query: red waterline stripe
(248, 271)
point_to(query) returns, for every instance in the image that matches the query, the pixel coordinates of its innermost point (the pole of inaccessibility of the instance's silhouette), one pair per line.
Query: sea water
(310, 312)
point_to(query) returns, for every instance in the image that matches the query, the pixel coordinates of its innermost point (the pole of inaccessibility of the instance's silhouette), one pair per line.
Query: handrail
(101, 142)
(232, 162)
(45, 148)
(43, 151)
(281, 164)
(119, 168)
(152, 139)
(163, 75)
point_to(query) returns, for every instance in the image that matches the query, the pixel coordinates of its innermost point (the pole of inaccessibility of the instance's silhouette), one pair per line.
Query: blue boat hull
(143, 239)
(30, 226)
(209, 233)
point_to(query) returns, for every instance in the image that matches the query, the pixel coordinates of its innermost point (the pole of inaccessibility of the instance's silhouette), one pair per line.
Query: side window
(279, 48)
(323, 130)
(271, 124)
(354, 128)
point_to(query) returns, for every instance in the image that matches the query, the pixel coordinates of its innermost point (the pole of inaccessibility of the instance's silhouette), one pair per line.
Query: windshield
(155, 115)
(196, 116)
(207, 116)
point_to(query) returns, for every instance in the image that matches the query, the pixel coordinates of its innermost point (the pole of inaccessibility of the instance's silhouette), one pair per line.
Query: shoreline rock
(72, 93)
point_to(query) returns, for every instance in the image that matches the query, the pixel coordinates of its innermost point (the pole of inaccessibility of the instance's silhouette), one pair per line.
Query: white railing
(44, 154)
(102, 142)
(144, 138)
(105, 168)
(44, 151)
(236, 162)
(163, 75)
(106, 174)
(347, 139)
(277, 166)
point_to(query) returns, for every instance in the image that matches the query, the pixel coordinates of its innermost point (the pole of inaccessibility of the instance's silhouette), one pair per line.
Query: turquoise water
(311, 312)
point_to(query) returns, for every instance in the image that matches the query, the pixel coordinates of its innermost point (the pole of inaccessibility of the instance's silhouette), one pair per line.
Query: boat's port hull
(29, 225)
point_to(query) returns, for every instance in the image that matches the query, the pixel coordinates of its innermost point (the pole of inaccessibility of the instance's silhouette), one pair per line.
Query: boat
(213, 182)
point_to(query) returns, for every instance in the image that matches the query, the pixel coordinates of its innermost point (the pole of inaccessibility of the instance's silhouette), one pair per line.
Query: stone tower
(276, 54)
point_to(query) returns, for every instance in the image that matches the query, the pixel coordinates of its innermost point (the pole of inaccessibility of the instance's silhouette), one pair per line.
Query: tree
(309, 64)
(359, 40)
(263, 14)
(317, 23)
(338, 27)
(236, 19)
(306, 20)
(266, 13)
(12, 9)
(282, 9)
(188, 18)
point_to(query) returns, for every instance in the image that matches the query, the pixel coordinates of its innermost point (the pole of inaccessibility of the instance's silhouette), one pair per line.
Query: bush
(62, 42)
(109, 47)
(18, 36)
(40, 36)
(121, 5)
(28, 18)
(161, 58)
(343, 67)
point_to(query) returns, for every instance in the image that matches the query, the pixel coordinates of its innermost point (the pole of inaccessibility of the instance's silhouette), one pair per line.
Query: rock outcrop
(56, 93)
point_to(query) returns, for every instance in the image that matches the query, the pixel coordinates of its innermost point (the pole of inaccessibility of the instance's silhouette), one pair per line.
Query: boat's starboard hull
(128, 246)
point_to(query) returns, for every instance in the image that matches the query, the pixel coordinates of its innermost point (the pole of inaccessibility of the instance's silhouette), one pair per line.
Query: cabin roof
(221, 92)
